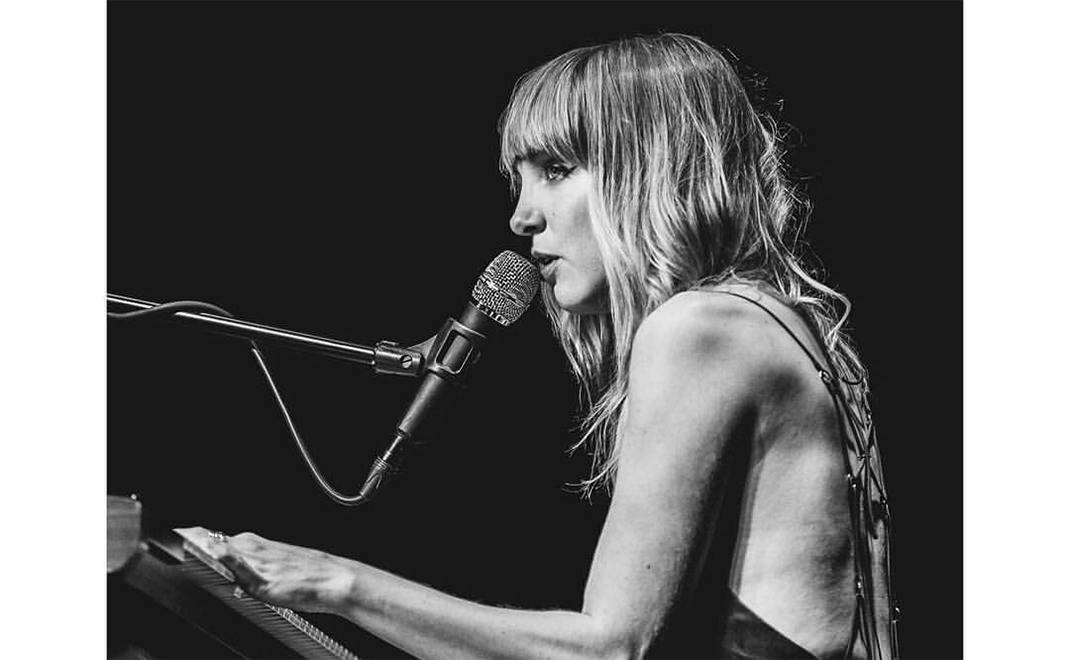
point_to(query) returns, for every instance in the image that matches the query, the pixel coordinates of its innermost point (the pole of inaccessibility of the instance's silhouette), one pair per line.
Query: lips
(546, 267)
(545, 262)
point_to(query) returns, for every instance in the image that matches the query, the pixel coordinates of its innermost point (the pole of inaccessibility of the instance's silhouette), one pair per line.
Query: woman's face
(553, 210)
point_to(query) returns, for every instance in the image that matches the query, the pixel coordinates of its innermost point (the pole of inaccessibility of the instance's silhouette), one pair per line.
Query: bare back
(791, 560)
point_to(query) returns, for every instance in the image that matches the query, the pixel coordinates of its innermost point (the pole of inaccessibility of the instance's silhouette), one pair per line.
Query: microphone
(500, 295)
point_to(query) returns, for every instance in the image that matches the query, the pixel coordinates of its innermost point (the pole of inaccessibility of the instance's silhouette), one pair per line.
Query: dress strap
(861, 481)
(825, 374)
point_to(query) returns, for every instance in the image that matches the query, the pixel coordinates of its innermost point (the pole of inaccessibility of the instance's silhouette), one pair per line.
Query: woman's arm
(694, 388)
(691, 392)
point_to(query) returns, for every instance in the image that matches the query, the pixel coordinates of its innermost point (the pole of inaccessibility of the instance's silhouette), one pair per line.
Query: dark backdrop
(332, 168)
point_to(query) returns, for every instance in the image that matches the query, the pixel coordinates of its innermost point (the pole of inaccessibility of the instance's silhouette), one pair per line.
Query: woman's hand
(279, 573)
(417, 619)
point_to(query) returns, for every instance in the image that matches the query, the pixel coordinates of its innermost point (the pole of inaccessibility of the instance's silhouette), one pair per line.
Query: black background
(332, 168)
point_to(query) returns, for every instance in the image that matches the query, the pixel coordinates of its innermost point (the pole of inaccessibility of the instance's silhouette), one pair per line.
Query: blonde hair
(688, 190)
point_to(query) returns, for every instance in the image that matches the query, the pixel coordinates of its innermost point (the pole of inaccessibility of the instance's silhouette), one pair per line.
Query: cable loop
(199, 306)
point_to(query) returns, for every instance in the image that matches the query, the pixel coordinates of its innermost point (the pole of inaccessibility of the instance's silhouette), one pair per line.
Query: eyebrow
(534, 156)
(531, 155)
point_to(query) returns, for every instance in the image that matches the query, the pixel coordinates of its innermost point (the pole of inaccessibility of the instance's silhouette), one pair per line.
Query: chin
(581, 302)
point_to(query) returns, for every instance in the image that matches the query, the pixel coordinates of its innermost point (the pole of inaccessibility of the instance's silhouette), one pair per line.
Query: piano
(169, 599)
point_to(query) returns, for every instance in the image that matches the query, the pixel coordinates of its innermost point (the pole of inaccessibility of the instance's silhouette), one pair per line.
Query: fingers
(253, 561)
(257, 547)
(227, 551)
(249, 542)
(248, 579)
(199, 536)
(274, 572)
(214, 540)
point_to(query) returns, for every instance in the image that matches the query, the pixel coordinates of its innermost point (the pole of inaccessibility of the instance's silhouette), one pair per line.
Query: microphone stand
(385, 357)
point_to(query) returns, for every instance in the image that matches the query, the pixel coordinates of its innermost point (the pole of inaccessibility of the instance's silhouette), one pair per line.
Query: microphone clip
(392, 359)
(455, 349)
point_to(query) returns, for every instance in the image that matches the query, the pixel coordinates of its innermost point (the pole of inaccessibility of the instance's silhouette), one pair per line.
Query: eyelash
(556, 171)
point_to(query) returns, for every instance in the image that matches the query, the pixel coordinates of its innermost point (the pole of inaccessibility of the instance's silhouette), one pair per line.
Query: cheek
(587, 278)
(585, 240)
(591, 264)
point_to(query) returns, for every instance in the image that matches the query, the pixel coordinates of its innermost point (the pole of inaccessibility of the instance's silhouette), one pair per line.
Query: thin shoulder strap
(829, 376)
(825, 375)
(859, 499)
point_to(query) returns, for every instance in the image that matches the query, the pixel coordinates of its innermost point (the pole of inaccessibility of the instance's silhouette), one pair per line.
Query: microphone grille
(506, 287)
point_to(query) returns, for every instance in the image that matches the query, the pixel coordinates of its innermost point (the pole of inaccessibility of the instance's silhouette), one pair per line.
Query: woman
(727, 410)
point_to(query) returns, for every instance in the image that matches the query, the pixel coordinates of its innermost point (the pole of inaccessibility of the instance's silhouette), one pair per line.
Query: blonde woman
(726, 409)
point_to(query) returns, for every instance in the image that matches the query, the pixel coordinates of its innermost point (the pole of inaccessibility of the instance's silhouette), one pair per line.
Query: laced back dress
(742, 632)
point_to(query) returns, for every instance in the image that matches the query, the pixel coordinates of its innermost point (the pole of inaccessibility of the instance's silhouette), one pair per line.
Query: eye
(556, 170)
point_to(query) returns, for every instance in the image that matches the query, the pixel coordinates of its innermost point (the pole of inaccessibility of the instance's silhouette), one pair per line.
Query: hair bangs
(689, 191)
(546, 115)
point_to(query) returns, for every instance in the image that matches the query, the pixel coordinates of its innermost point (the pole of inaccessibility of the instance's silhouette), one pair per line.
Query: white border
(1015, 330)
(52, 248)
(52, 252)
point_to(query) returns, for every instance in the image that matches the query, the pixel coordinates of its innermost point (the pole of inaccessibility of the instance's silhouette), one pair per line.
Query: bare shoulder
(700, 357)
(707, 372)
(697, 385)
(698, 325)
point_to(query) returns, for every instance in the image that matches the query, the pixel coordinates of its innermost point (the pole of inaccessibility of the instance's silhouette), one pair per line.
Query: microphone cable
(170, 308)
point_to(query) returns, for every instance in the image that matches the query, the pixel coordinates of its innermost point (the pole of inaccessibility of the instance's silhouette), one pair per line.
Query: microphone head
(506, 287)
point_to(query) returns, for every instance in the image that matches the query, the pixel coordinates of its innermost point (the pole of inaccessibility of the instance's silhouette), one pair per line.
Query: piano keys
(194, 588)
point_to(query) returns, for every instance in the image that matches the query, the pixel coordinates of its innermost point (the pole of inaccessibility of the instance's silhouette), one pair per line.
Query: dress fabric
(747, 635)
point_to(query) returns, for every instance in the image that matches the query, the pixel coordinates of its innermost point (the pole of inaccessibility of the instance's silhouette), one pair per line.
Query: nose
(527, 219)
